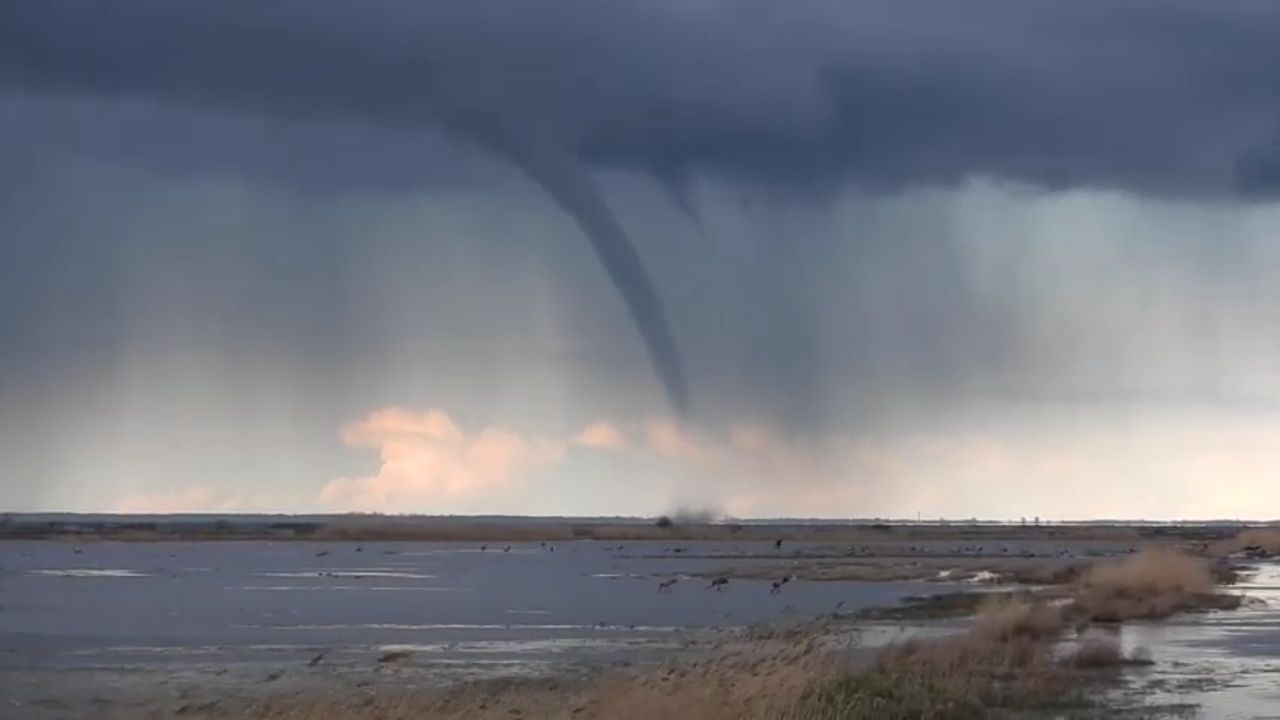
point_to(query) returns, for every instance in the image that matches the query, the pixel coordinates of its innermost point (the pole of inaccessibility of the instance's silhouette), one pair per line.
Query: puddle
(343, 588)
(551, 646)
(530, 665)
(355, 574)
(88, 573)
(189, 650)
(466, 626)
(491, 550)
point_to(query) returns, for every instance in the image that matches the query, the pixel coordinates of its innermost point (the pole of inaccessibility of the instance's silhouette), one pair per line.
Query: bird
(322, 553)
(718, 583)
(666, 585)
(506, 548)
(777, 584)
(778, 543)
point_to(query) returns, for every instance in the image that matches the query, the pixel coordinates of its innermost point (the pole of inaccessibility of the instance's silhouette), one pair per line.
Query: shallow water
(1227, 663)
(145, 604)
(81, 626)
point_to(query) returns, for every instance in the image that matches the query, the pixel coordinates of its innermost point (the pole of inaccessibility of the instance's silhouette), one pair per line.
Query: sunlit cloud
(427, 464)
(1154, 469)
(603, 435)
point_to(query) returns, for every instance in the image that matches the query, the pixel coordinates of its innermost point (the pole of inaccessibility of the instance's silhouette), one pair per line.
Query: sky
(823, 258)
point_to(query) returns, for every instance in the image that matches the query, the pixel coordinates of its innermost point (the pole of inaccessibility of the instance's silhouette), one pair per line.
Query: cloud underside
(1177, 96)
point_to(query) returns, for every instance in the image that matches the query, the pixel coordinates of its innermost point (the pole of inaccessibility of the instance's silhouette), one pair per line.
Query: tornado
(573, 191)
(113, 64)
(551, 167)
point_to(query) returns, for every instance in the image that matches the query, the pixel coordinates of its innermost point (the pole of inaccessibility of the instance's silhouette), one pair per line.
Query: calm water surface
(112, 604)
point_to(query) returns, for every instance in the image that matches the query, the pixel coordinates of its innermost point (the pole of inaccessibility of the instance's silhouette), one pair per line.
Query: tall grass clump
(1153, 584)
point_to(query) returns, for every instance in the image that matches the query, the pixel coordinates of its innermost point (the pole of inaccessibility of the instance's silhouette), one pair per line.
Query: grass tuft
(1096, 652)
(1153, 584)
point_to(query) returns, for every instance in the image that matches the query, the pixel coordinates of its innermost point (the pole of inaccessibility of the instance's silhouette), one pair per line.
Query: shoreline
(460, 529)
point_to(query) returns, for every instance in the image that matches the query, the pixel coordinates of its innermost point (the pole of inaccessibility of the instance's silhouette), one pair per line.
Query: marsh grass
(1011, 661)
(1153, 584)
(1264, 540)
(1006, 661)
(1012, 618)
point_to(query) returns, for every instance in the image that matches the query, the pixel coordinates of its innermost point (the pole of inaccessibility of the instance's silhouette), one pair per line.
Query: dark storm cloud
(1175, 97)
(323, 156)
(1171, 96)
